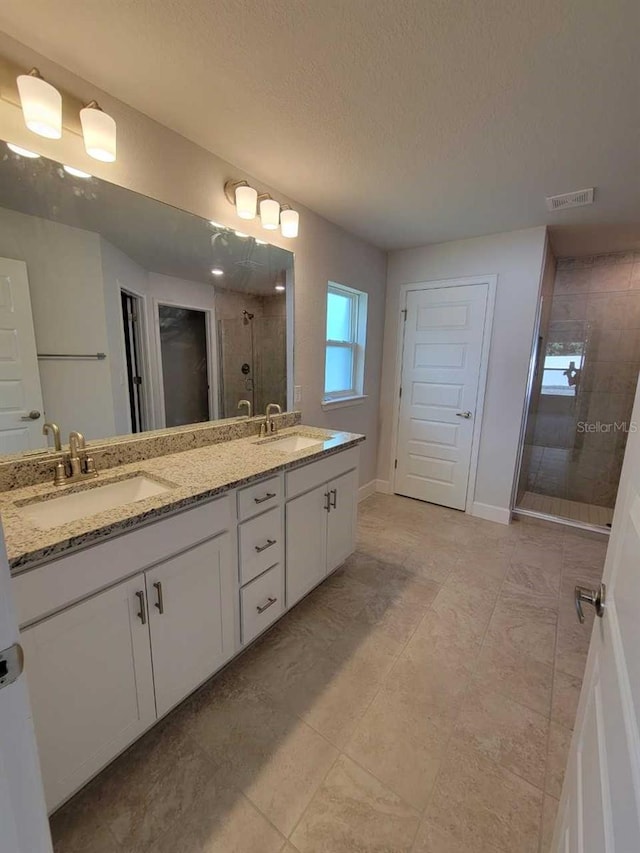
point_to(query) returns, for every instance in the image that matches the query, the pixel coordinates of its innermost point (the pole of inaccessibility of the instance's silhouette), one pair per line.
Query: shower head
(246, 316)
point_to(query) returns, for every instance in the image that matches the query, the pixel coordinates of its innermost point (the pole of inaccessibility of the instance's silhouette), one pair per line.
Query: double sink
(55, 511)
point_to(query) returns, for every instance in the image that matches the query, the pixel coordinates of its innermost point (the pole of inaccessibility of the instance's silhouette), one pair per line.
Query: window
(346, 338)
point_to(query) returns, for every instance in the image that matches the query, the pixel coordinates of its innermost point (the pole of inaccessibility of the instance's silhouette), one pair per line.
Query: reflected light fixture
(41, 105)
(241, 234)
(22, 152)
(280, 288)
(261, 242)
(269, 213)
(77, 173)
(99, 132)
(217, 271)
(289, 222)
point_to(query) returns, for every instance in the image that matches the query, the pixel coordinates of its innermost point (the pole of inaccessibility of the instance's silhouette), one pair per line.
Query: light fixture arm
(230, 188)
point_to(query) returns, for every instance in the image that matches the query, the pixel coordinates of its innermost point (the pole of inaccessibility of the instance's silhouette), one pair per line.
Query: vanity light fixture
(41, 105)
(77, 173)
(280, 288)
(289, 222)
(269, 212)
(272, 214)
(99, 132)
(22, 152)
(217, 271)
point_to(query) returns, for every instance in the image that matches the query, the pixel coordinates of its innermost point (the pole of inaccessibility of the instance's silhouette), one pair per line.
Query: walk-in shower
(582, 391)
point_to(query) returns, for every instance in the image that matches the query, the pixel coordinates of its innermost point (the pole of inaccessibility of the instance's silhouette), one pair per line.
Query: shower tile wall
(578, 441)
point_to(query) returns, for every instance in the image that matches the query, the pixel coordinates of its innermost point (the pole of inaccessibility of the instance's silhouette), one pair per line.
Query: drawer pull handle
(142, 613)
(160, 602)
(263, 607)
(334, 501)
(268, 544)
(264, 498)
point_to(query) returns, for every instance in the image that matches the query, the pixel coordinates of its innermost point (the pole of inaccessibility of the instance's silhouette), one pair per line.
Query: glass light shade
(77, 173)
(41, 106)
(270, 214)
(246, 202)
(289, 221)
(22, 152)
(99, 132)
(217, 271)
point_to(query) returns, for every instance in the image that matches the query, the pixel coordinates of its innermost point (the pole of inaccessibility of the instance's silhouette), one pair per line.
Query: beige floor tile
(572, 647)
(400, 740)
(566, 694)
(559, 743)
(80, 836)
(353, 811)
(485, 570)
(346, 595)
(515, 675)
(332, 696)
(543, 580)
(142, 794)
(434, 839)
(432, 560)
(539, 554)
(398, 609)
(479, 803)
(258, 747)
(504, 731)
(549, 813)
(469, 606)
(221, 822)
(526, 624)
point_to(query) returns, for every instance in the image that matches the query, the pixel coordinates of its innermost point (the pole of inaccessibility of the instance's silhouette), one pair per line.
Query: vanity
(126, 611)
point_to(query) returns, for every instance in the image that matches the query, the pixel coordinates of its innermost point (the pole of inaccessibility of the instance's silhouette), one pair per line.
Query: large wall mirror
(120, 314)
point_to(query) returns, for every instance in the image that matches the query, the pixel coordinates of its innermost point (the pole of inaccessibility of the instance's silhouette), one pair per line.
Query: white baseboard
(366, 490)
(491, 513)
(383, 486)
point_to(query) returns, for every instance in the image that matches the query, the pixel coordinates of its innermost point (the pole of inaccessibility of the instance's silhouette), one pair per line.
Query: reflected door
(185, 365)
(444, 330)
(20, 395)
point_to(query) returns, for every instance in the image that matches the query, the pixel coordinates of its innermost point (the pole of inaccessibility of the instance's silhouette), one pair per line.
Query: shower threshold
(572, 513)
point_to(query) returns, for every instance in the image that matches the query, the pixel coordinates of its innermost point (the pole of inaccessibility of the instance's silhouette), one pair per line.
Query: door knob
(596, 597)
(33, 415)
(466, 415)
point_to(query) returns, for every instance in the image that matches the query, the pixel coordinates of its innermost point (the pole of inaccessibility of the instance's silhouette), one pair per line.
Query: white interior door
(23, 817)
(20, 394)
(600, 806)
(441, 361)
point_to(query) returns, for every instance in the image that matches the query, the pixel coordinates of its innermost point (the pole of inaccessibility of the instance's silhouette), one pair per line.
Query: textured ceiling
(404, 121)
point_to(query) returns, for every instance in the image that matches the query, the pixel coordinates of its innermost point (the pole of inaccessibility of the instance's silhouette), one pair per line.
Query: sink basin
(293, 443)
(56, 511)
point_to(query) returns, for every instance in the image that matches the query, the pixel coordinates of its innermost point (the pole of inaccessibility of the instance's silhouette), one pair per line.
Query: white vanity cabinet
(190, 638)
(320, 520)
(91, 685)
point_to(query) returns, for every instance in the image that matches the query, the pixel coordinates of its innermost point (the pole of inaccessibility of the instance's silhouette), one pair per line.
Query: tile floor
(599, 516)
(421, 699)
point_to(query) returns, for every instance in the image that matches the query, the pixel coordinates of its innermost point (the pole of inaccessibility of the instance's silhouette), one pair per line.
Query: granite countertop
(192, 475)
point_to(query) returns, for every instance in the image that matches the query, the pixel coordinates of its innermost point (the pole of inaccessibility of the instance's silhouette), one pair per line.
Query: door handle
(333, 502)
(465, 415)
(268, 544)
(596, 597)
(327, 501)
(142, 613)
(160, 602)
(33, 415)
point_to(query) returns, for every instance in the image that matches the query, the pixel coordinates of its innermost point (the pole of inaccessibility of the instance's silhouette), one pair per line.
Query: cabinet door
(89, 676)
(191, 619)
(306, 564)
(341, 521)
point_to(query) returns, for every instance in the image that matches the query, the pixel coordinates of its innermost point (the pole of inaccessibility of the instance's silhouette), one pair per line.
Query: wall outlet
(297, 393)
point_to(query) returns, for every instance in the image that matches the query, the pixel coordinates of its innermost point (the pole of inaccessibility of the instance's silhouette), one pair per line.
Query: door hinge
(11, 664)
(400, 392)
(395, 464)
(137, 380)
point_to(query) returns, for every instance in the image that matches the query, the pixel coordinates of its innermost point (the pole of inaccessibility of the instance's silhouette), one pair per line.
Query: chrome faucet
(269, 425)
(77, 465)
(245, 404)
(50, 428)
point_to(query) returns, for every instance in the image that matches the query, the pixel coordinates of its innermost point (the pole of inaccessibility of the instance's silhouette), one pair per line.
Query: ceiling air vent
(575, 199)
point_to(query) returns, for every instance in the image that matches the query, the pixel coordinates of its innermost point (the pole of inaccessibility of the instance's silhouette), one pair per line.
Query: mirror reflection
(120, 314)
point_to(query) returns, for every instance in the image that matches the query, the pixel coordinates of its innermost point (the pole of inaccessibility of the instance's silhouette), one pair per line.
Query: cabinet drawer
(258, 497)
(260, 544)
(315, 473)
(262, 602)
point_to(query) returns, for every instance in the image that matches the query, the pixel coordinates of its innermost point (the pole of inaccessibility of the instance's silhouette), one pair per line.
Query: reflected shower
(246, 316)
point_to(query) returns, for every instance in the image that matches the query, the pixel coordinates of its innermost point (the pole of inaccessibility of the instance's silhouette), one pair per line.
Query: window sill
(344, 402)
